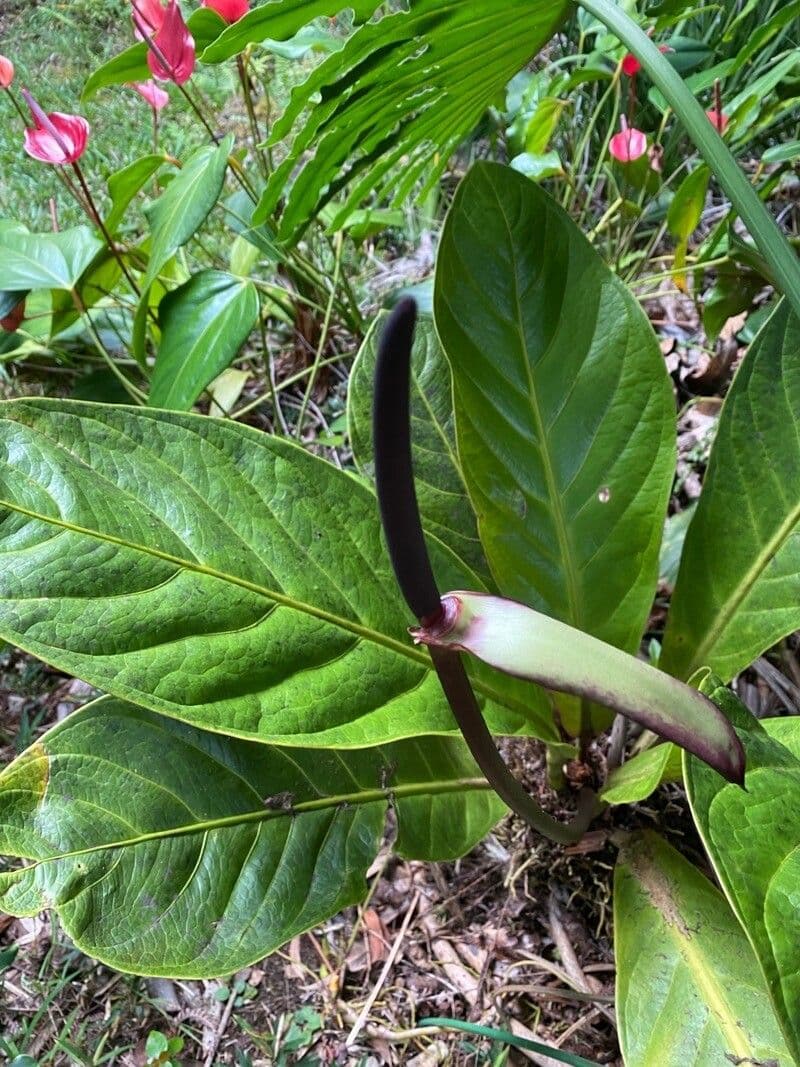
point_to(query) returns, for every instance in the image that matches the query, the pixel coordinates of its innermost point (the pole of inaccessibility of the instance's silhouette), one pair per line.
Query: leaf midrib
(435, 787)
(559, 519)
(364, 632)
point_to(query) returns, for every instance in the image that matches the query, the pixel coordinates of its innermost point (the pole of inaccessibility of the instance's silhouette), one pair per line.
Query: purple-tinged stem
(397, 499)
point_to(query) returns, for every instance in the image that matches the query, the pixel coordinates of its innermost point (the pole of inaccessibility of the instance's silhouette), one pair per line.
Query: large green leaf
(688, 989)
(45, 260)
(441, 492)
(204, 323)
(753, 838)
(564, 411)
(182, 208)
(279, 20)
(169, 850)
(386, 112)
(736, 592)
(214, 573)
(131, 65)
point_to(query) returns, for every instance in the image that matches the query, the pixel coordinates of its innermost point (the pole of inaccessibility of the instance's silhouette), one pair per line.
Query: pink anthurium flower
(170, 54)
(629, 144)
(6, 72)
(55, 138)
(718, 119)
(630, 65)
(148, 15)
(230, 10)
(155, 96)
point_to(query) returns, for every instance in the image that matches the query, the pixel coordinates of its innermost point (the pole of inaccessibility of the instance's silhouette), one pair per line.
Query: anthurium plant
(286, 650)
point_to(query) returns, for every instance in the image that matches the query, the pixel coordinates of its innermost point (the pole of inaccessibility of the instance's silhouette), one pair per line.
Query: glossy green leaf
(753, 838)
(564, 410)
(642, 775)
(169, 850)
(131, 65)
(686, 206)
(385, 113)
(204, 323)
(689, 993)
(730, 605)
(441, 492)
(279, 20)
(182, 208)
(217, 574)
(124, 184)
(787, 152)
(45, 260)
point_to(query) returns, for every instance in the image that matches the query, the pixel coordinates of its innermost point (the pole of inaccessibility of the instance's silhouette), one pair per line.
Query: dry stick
(221, 1028)
(323, 340)
(398, 941)
(402, 527)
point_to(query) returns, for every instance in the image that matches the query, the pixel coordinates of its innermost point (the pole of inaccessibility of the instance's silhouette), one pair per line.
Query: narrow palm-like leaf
(207, 571)
(278, 20)
(168, 850)
(387, 111)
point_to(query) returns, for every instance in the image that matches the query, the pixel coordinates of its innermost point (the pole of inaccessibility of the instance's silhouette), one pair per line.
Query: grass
(54, 45)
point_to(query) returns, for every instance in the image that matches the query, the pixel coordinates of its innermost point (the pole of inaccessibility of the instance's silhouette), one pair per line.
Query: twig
(222, 1026)
(393, 951)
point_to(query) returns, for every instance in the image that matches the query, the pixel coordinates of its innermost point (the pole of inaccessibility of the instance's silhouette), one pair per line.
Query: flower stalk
(402, 527)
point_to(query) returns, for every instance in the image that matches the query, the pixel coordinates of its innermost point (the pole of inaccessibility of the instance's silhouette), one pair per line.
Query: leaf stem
(763, 228)
(96, 218)
(136, 394)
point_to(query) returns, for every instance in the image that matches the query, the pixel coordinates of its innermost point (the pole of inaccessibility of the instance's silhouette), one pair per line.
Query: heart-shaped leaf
(169, 850)
(441, 492)
(736, 592)
(46, 260)
(182, 208)
(565, 416)
(204, 324)
(210, 572)
(688, 989)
